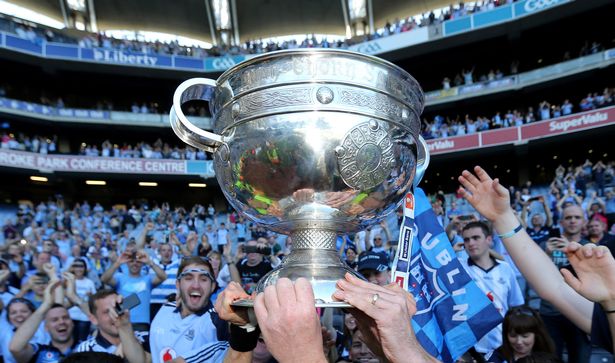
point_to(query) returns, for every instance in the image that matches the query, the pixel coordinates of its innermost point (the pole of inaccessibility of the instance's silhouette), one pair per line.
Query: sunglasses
(200, 271)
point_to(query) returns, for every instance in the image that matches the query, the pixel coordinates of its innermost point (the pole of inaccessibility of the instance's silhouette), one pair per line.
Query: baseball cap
(373, 261)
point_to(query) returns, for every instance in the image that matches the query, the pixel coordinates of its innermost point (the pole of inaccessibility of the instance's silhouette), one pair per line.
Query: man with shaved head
(562, 330)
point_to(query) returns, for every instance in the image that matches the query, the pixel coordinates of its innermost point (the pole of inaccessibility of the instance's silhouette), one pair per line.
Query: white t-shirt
(85, 287)
(222, 233)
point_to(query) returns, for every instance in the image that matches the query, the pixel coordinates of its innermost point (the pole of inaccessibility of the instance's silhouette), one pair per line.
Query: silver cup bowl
(313, 144)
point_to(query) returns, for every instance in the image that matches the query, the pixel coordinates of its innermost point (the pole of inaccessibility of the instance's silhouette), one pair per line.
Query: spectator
(568, 294)
(540, 229)
(18, 310)
(254, 266)
(374, 267)
(596, 233)
(161, 293)
(496, 278)
(524, 334)
(84, 288)
(114, 334)
(133, 281)
(196, 318)
(57, 323)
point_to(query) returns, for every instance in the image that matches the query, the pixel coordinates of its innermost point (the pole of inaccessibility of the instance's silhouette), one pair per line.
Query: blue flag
(453, 313)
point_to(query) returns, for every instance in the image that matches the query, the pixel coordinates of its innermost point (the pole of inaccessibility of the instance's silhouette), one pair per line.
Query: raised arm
(131, 348)
(523, 217)
(491, 199)
(231, 263)
(19, 346)
(143, 235)
(549, 219)
(71, 294)
(143, 257)
(107, 276)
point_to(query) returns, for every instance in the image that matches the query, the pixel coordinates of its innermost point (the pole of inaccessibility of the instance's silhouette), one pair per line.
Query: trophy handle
(190, 90)
(422, 161)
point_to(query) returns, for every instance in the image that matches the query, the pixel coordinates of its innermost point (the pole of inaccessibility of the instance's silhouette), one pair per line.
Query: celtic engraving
(262, 101)
(378, 102)
(365, 157)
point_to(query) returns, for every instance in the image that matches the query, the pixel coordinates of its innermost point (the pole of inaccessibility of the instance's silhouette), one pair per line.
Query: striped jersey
(98, 343)
(167, 287)
(198, 338)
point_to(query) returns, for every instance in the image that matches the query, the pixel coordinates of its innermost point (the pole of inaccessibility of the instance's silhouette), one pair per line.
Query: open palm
(486, 195)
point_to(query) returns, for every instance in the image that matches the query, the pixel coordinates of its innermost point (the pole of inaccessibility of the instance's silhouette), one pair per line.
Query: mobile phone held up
(128, 303)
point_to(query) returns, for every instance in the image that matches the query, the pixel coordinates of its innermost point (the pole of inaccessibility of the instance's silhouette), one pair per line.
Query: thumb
(499, 189)
(571, 280)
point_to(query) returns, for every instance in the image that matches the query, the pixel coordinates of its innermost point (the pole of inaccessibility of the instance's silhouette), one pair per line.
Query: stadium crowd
(100, 40)
(63, 269)
(439, 127)
(442, 127)
(49, 145)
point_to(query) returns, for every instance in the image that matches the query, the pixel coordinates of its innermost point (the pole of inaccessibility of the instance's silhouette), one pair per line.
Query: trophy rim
(278, 53)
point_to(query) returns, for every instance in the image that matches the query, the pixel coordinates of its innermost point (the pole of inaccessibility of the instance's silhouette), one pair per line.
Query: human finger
(471, 178)
(601, 251)
(348, 287)
(499, 188)
(352, 281)
(570, 279)
(260, 309)
(481, 174)
(304, 291)
(271, 298)
(466, 182)
(405, 295)
(372, 304)
(285, 291)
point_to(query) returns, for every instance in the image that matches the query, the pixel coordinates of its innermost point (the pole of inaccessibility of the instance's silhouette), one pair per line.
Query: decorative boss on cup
(311, 143)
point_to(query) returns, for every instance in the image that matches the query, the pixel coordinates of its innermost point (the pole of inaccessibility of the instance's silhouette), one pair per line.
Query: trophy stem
(320, 239)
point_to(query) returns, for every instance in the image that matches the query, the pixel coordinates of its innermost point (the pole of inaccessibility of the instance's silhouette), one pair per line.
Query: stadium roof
(256, 18)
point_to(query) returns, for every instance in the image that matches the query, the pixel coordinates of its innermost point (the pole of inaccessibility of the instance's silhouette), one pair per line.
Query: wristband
(608, 311)
(243, 341)
(511, 233)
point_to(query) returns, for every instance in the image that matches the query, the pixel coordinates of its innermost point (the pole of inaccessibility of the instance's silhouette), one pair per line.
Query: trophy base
(321, 267)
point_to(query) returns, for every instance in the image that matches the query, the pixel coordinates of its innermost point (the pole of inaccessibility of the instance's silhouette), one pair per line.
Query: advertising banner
(77, 163)
(450, 144)
(393, 42)
(531, 6)
(576, 122)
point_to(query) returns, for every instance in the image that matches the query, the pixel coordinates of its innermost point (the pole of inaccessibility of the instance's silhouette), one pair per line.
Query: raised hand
(486, 195)
(48, 296)
(595, 269)
(50, 270)
(4, 275)
(143, 257)
(125, 257)
(556, 243)
(71, 291)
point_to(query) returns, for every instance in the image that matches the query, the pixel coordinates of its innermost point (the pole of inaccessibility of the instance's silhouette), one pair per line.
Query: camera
(257, 249)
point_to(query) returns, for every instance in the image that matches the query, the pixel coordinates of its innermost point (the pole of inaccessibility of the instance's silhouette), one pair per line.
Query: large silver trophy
(310, 143)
